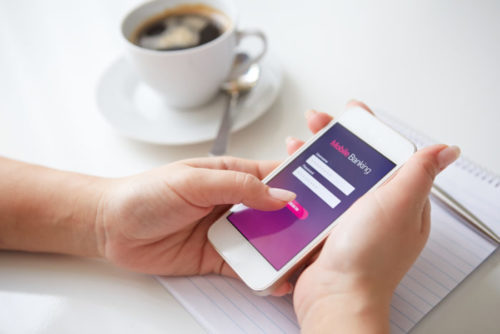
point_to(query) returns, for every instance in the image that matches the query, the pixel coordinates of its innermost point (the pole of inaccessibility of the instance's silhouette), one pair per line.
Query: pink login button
(297, 209)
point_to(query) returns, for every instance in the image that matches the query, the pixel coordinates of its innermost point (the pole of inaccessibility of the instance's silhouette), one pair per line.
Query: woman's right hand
(349, 287)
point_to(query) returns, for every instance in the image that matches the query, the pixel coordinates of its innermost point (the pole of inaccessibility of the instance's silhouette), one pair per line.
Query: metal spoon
(242, 78)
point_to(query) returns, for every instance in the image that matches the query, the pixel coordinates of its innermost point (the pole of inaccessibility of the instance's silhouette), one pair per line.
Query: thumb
(417, 175)
(209, 187)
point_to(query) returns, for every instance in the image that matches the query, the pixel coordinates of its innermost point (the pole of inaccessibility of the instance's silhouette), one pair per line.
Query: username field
(329, 174)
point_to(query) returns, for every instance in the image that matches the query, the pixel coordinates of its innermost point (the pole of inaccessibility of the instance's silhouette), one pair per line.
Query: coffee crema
(181, 27)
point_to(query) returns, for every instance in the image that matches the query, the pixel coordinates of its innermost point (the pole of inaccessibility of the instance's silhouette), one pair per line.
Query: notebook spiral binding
(421, 141)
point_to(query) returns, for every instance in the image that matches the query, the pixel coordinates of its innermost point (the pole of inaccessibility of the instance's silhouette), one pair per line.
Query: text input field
(316, 187)
(329, 174)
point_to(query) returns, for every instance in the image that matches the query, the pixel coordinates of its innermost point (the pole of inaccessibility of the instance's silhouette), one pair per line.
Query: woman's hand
(350, 285)
(157, 222)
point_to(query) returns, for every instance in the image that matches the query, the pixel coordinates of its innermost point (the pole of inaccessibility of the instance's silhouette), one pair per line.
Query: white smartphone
(345, 160)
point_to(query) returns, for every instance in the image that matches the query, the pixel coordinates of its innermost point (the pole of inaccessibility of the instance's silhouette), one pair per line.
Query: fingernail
(447, 156)
(282, 194)
(289, 140)
(310, 113)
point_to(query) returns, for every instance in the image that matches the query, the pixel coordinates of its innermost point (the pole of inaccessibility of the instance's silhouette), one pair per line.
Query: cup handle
(253, 33)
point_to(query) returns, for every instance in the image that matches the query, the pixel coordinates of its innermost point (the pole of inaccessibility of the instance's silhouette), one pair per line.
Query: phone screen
(328, 177)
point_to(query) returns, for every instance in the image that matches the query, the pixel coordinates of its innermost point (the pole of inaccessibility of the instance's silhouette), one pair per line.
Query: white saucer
(138, 112)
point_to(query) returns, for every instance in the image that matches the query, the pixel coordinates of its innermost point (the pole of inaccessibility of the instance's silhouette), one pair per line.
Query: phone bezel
(241, 255)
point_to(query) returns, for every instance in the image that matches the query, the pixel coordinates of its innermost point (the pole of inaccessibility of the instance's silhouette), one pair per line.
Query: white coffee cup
(188, 77)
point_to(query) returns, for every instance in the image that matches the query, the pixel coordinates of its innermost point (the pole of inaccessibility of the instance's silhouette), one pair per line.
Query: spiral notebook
(454, 250)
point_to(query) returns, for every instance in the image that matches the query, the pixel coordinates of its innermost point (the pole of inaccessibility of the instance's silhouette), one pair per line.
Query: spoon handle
(220, 144)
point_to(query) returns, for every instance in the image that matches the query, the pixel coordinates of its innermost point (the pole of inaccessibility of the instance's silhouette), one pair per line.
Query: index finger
(318, 120)
(258, 168)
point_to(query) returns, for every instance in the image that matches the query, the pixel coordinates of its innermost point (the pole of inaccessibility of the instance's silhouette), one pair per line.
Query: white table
(431, 63)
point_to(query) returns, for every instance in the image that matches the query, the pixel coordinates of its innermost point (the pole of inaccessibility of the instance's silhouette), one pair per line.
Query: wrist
(338, 302)
(86, 234)
(347, 313)
(70, 214)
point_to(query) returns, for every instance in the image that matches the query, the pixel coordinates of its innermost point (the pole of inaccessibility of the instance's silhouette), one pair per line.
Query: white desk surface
(433, 64)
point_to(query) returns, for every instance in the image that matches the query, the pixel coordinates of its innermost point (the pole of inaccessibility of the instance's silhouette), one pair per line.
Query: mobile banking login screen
(328, 178)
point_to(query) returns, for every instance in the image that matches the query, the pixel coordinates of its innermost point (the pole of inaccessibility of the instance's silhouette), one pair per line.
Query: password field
(320, 190)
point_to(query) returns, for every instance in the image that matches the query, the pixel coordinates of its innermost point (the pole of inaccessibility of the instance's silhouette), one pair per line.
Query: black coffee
(182, 27)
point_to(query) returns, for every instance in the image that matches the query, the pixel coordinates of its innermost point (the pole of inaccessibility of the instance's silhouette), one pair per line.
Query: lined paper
(454, 250)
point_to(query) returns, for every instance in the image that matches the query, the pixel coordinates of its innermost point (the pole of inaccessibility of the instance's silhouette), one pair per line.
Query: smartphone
(349, 157)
